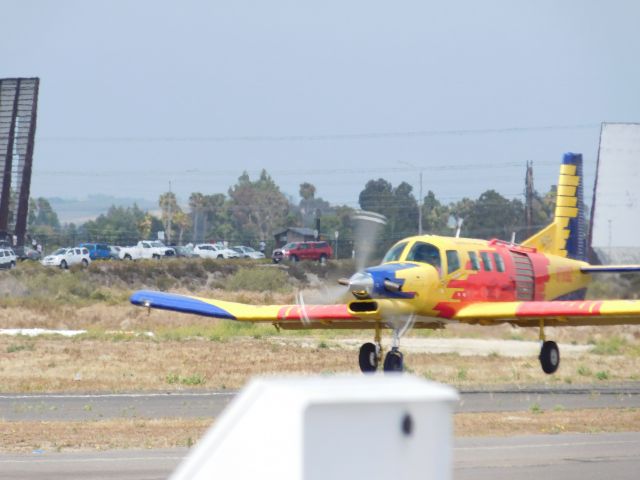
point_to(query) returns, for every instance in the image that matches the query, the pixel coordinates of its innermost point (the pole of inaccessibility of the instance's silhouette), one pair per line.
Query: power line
(339, 171)
(312, 137)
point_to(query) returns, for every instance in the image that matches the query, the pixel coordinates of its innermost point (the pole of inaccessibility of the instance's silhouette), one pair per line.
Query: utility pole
(168, 233)
(420, 200)
(528, 206)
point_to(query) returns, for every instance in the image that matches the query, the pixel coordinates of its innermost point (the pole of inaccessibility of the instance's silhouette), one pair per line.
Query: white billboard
(615, 222)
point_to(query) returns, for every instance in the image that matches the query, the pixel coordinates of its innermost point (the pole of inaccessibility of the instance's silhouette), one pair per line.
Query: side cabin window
(486, 261)
(497, 258)
(453, 261)
(425, 253)
(393, 255)
(475, 263)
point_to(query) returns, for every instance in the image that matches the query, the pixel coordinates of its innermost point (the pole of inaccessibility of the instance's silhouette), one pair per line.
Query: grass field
(224, 355)
(127, 349)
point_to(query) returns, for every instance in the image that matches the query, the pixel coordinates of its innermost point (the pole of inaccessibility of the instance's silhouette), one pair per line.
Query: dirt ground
(126, 349)
(134, 363)
(25, 437)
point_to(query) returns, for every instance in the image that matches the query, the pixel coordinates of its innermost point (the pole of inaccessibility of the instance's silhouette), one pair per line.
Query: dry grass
(547, 422)
(24, 437)
(176, 360)
(200, 352)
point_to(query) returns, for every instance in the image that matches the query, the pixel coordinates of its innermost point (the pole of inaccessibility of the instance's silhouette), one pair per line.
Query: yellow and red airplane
(430, 281)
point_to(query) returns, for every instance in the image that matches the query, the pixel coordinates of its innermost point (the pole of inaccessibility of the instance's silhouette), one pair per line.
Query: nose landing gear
(393, 361)
(371, 354)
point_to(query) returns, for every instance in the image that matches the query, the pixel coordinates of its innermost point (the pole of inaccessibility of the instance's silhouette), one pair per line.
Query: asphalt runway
(570, 457)
(50, 407)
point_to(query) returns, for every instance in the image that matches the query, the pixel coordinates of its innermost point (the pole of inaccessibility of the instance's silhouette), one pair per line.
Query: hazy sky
(137, 94)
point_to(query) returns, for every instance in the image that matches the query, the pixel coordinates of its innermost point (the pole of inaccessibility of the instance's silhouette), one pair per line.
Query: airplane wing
(587, 312)
(235, 311)
(286, 316)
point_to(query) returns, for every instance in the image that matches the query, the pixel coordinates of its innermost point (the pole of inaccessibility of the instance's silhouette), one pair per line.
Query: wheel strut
(549, 352)
(378, 342)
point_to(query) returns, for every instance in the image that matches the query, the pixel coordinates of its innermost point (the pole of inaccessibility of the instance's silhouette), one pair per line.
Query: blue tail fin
(577, 241)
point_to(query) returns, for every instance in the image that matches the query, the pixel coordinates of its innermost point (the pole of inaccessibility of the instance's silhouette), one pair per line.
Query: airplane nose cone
(361, 285)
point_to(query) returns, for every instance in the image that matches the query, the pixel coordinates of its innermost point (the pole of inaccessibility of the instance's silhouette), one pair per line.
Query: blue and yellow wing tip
(178, 303)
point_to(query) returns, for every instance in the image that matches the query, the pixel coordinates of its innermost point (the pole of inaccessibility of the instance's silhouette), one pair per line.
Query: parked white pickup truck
(146, 249)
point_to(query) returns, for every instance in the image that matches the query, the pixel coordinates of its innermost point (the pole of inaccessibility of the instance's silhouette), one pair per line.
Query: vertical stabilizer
(566, 236)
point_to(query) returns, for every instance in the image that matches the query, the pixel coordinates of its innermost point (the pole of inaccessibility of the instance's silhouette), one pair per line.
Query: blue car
(97, 251)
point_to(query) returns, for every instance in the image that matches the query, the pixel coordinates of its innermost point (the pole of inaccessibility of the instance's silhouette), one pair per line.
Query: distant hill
(73, 210)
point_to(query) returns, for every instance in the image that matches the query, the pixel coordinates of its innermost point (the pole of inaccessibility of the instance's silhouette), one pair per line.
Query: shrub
(259, 279)
(609, 346)
(584, 371)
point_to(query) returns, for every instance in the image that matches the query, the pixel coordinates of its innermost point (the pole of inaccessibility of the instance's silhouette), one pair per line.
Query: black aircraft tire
(549, 357)
(368, 358)
(393, 361)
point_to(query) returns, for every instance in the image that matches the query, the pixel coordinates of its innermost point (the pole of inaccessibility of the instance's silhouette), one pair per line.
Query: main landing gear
(371, 354)
(549, 353)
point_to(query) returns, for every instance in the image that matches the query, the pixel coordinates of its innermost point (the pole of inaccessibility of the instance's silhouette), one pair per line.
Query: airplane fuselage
(440, 275)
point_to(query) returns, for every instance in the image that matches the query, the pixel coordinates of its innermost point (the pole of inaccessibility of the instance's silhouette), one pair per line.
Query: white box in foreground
(347, 427)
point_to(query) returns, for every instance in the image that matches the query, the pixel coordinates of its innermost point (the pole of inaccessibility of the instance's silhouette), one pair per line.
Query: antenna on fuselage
(458, 226)
(513, 238)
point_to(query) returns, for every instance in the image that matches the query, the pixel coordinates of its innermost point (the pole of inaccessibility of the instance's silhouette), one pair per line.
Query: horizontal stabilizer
(610, 268)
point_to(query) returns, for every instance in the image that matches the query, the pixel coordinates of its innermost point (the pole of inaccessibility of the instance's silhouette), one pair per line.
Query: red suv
(296, 251)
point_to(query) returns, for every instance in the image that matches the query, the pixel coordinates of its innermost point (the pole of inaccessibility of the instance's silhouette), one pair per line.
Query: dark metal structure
(18, 112)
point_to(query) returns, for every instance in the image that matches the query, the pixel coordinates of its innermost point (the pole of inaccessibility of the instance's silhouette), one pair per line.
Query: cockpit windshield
(425, 253)
(393, 255)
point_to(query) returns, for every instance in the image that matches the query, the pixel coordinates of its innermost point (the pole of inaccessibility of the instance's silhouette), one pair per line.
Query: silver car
(66, 257)
(211, 250)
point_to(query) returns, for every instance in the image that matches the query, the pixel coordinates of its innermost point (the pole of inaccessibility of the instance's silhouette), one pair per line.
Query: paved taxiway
(570, 457)
(50, 407)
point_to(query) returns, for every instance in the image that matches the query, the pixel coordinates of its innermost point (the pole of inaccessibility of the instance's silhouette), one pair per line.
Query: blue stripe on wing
(178, 303)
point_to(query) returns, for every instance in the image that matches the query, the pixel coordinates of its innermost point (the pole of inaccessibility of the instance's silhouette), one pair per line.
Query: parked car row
(85, 253)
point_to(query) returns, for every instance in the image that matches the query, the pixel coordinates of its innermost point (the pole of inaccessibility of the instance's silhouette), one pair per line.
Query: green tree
(169, 208)
(397, 204)
(43, 224)
(217, 223)
(491, 216)
(341, 221)
(122, 225)
(435, 216)
(312, 207)
(197, 206)
(41, 214)
(307, 191)
(258, 207)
